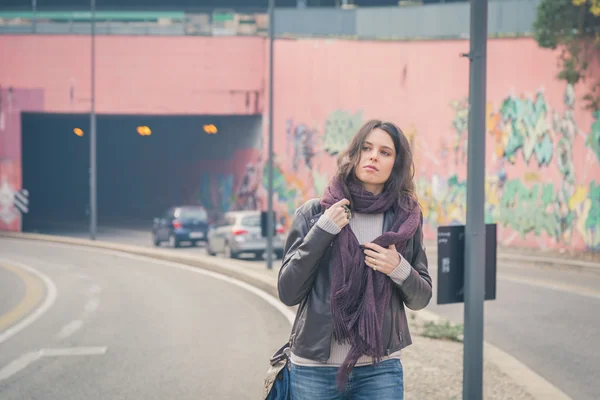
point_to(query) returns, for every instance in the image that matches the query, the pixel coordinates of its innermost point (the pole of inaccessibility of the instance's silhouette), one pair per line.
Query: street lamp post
(270, 219)
(474, 279)
(93, 124)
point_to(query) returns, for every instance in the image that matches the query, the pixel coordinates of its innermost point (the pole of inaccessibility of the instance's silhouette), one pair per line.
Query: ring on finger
(347, 211)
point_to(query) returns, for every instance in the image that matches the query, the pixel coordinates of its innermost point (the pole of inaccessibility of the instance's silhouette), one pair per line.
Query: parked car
(240, 232)
(181, 224)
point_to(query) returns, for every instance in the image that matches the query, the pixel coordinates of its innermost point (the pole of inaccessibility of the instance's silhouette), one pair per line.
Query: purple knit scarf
(360, 295)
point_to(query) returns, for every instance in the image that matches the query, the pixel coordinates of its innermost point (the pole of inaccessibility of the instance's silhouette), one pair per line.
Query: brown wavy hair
(401, 180)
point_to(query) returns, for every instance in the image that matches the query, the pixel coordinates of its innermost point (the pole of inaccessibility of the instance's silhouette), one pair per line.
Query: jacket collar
(388, 220)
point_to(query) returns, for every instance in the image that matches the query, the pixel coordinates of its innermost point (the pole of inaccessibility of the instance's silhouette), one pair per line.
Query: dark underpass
(145, 164)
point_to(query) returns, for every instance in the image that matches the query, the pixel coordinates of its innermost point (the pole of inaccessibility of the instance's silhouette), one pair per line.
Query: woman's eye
(366, 148)
(385, 153)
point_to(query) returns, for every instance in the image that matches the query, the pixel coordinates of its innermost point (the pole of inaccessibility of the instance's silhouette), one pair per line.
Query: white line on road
(91, 305)
(83, 276)
(282, 308)
(534, 383)
(74, 351)
(287, 313)
(26, 359)
(70, 329)
(18, 364)
(31, 318)
(95, 289)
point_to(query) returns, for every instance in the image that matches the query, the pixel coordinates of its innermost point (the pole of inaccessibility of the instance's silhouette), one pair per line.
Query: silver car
(240, 232)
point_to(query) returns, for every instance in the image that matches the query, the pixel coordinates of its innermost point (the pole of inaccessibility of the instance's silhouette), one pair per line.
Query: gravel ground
(433, 371)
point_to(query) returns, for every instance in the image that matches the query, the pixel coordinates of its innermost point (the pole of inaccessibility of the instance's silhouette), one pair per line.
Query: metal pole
(270, 161)
(475, 226)
(93, 127)
(34, 9)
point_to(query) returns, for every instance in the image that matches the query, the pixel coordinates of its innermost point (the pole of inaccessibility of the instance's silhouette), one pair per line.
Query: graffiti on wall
(521, 129)
(311, 149)
(533, 189)
(340, 126)
(300, 144)
(10, 214)
(524, 129)
(216, 191)
(460, 125)
(593, 139)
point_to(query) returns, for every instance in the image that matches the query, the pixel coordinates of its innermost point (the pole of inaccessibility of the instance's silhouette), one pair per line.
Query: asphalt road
(112, 326)
(545, 317)
(12, 290)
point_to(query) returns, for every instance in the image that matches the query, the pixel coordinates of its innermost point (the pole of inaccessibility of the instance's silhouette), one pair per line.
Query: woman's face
(377, 157)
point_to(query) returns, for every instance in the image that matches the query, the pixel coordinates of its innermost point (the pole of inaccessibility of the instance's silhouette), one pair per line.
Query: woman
(352, 260)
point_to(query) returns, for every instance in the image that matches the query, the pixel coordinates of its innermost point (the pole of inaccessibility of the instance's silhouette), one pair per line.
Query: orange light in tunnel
(144, 131)
(78, 132)
(210, 129)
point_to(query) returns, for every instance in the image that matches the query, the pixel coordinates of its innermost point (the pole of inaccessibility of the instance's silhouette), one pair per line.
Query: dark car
(181, 224)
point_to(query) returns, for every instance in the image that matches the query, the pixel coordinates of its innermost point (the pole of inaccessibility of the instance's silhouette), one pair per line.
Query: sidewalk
(432, 368)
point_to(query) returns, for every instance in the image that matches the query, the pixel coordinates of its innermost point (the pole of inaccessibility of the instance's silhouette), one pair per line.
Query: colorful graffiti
(311, 153)
(460, 124)
(540, 199)
(300, 144)
(215, 192)
(10, 216)
(521, 124)
(527, 204)
(593, 139)
(339, 129)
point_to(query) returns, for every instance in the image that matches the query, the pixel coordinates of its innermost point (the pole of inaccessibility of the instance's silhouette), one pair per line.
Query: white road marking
(70, 329)
(91, 305)
(282, 308)
(26, 359)
(95, 289)
(83, 276)
(74, 351)
(34, 316)
(18, 364)
(534, 383)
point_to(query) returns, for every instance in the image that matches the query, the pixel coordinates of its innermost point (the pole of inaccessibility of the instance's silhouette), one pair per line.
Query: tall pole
(93, 126)
(270, 221)
(475, 226)
(34, 9)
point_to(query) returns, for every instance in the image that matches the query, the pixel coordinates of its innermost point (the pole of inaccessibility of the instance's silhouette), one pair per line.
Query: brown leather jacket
(305, 279)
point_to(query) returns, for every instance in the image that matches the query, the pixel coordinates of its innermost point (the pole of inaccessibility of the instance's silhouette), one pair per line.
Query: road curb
(533, 383)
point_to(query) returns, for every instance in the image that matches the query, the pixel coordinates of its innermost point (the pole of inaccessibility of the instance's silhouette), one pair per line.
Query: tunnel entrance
(145, 164)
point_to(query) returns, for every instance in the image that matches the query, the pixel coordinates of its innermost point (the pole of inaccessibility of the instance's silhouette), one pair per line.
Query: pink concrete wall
(543, 170)
(543, 149)
(139, 74)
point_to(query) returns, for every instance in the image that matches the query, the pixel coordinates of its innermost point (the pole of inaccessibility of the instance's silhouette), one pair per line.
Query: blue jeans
(382, 382)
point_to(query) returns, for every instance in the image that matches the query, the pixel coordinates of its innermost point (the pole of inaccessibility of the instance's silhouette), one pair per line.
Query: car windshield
(251, 221)
(192, 213)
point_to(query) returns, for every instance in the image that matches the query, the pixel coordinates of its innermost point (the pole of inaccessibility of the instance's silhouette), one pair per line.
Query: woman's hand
(381, 259)
(338, 214)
